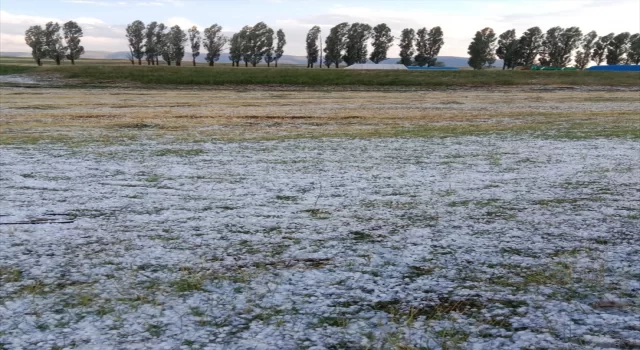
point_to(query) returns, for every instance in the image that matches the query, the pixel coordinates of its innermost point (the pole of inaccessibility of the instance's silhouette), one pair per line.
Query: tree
(214, 42)
(356, 44)
(600, 48)
(435, 42)
(174, 45)
(382, 42)
(245, 44)
(194, 40)
(150, 43)
(159, 42)
(34, 37)
(282, 41)
(633, 56)
(72, 34)
(55, 48)
(529, 46)
(130, 57)
(482, 49)
(406, 46)
(235, 49)
(569, 41)
(508, 49)
(558, 45)
(551, 46)
(583, 56)
(421, 58)
(617, 48)
(335, 44)
(312, 46)
(269, 53)
(135, 35)
(259, 40)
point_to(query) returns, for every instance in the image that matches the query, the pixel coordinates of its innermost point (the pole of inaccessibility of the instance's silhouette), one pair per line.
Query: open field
(165, 76)
(250, 218)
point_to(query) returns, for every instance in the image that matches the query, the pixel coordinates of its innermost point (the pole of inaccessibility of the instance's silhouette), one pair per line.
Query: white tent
(377, 66)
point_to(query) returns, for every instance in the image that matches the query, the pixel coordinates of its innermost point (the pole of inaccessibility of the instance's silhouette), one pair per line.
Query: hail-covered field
(293, 220)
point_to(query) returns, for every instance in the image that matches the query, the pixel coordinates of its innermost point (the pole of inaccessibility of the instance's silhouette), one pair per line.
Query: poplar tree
(34, 37)
(382, 42)
(72, 34)
(482, 49)
(55, 48)
(312, 46)
(335, 44)
(135, 35)
(282, 41)
(600, 48)
(194, 40)
(406, 46)
(214, 42)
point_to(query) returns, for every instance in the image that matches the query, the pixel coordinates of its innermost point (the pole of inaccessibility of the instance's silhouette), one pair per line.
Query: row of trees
(46, 42)
(553, 48)
(348, 43)
(251, 44)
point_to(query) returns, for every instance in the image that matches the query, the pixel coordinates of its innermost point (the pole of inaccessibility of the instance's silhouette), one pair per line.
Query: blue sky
(104, 20)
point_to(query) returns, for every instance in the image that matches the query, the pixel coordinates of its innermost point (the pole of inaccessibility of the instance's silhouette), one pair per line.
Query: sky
(104, 21)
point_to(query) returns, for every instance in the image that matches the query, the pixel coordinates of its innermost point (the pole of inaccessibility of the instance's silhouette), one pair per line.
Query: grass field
(98, 71)
(193, 218)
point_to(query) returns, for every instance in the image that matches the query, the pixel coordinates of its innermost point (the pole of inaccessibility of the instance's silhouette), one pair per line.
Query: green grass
(6, 69)
(165, 75)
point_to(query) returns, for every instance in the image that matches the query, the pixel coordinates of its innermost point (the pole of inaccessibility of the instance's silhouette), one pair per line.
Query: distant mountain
(449, 61)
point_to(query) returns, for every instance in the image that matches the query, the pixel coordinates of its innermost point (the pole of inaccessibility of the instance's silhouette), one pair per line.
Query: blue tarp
(431, 68)
(625, 68)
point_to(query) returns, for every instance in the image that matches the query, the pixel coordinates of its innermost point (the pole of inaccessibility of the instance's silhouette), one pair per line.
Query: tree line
(252, 44)
(552, 49)
(348, 43)
(46, 42)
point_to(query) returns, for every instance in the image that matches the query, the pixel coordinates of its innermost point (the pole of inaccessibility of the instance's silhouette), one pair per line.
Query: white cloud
(89, 20)
(184, 23)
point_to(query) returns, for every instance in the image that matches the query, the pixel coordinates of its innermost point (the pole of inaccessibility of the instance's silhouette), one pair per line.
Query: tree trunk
(194, 61)
(246, 64)
(210, 63)
(73, 62)
(276, 63)
(268, 64)
(337, 64)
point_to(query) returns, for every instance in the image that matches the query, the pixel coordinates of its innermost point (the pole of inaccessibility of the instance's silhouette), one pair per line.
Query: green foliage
(213, 42)
(35, 38)
(173, 48)
(335, 44)
(258, 41)
(150, 45)
(235, 48)
(135, 35)
(529, 46)
(356, 43)
(600, 48)
(54, 47)
(633, 56)
(482, 49)
(406, 46)
(617, 48)
(269, 53)
(72, 34)
(421, 58)
(194, 40)
(312, 46)
(558, 45)
(583, 56)
(382, 41)
(282, 41)
(435, 42)
(508, 49)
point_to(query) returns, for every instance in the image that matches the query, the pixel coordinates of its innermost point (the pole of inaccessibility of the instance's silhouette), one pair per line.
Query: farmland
(218, 214)
(101, 72)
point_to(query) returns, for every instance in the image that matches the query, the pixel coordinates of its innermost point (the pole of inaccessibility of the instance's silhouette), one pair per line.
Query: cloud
(184, 23)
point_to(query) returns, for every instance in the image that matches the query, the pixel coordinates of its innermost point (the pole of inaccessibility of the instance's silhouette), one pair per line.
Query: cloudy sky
(104, 20)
